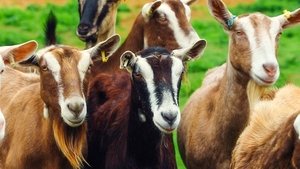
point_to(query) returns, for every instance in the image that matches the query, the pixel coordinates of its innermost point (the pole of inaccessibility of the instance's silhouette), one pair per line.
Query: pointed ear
(149, 9)
(290, 18)
(18, 53)
(127, 60)
(219, 10)
(106, 48)
(192, 52)
(188, 2)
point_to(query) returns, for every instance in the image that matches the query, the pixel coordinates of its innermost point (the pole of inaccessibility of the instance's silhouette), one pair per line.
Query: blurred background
(22, 20)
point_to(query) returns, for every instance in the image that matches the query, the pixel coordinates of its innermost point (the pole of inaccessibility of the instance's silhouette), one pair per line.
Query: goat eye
(240, 33)
(44, 67)
(162, 19)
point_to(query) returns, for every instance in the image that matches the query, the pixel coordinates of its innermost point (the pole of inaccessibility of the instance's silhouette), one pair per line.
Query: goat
(162, 23)
(97, 20)
(271, 140)
(130, 115)
(18, 53)
(216, 114)
(56, 140)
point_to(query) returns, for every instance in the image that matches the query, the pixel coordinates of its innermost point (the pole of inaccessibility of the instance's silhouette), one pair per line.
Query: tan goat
(57, 141)
(17, 53)
(216, 114)
(272, 138)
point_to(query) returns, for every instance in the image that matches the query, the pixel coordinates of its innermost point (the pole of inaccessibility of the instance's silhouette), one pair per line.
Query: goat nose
(169, 117)
(76, 107)
(83, 29)
(270, 69)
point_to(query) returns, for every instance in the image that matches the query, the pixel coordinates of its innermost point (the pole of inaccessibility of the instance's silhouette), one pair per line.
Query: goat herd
(110, 107)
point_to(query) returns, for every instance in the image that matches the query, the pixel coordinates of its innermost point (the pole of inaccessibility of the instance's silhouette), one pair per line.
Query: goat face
(92, 14)
(254, 40)
(156, 77)
(63, 73)
(167, 24)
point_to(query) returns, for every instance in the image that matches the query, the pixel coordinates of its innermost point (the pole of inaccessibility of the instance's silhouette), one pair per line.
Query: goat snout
(75, 105)
(270, 69)
(83, 29)
(169, 117)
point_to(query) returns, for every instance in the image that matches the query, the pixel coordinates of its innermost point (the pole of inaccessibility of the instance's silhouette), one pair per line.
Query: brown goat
(17, 53)
(216, 114)
(271, 140)
(57, 140)
(132, 114)
(162, 23)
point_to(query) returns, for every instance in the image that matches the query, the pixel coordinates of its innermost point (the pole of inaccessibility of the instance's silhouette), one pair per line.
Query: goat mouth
(73, 123)
(164, 129)
(268, 81)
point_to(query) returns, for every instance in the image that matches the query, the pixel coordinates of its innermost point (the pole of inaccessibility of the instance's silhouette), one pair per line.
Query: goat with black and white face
(156, 81)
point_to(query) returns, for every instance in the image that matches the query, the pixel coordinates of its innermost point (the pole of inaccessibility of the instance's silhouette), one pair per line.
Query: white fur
(297, 125)
(45, 112)
(2, 125)
(264, 52)
(1, 64)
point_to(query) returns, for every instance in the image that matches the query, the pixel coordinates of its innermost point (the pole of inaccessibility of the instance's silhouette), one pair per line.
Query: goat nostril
(169, 117)
(83, 29)
(270, 69)
(75, 108)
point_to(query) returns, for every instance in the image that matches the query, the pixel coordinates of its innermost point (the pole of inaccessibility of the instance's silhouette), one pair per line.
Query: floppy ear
(290, 18)
(127, 60)
(188, 2)
(192, 52)
(149, 9)
(104, 49)
(219, 10)
(18, 53)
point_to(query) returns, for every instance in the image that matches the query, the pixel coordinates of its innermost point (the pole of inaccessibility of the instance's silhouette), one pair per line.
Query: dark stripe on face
(103, 14)
(162, 69)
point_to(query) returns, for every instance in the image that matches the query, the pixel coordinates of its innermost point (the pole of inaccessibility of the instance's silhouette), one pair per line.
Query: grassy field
(22, 24)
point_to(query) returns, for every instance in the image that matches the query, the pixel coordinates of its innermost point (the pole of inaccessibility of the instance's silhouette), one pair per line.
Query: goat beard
(71, 141)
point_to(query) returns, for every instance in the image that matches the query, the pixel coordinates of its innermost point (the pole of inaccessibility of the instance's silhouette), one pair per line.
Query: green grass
(18, 25)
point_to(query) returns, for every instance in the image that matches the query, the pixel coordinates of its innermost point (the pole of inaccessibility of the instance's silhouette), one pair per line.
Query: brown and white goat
(97, 20)
(162, 23)
(216, 114)
(57, 140)
(132, 114)
(271, 140)
(17, 53)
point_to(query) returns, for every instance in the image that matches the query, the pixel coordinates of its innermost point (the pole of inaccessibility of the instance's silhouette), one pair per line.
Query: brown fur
(270, 140)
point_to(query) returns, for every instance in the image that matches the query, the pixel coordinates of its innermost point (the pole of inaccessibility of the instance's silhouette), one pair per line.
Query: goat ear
(290, 18)
(188, 2)
(219, 10)
(18, 53)
(104, 49)
(192, 52)
(127, 60)
(149, 8)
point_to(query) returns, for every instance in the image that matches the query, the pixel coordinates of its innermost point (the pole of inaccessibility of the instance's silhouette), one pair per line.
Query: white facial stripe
(187, 11)
(53, 65)
(1, 64)
(99, 9)
(84, 64)
(177, 69)
(148, 75)
(183, 39)
(263, 52)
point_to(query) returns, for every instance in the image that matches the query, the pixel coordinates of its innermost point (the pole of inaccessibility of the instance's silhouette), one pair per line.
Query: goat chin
(257, 93)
